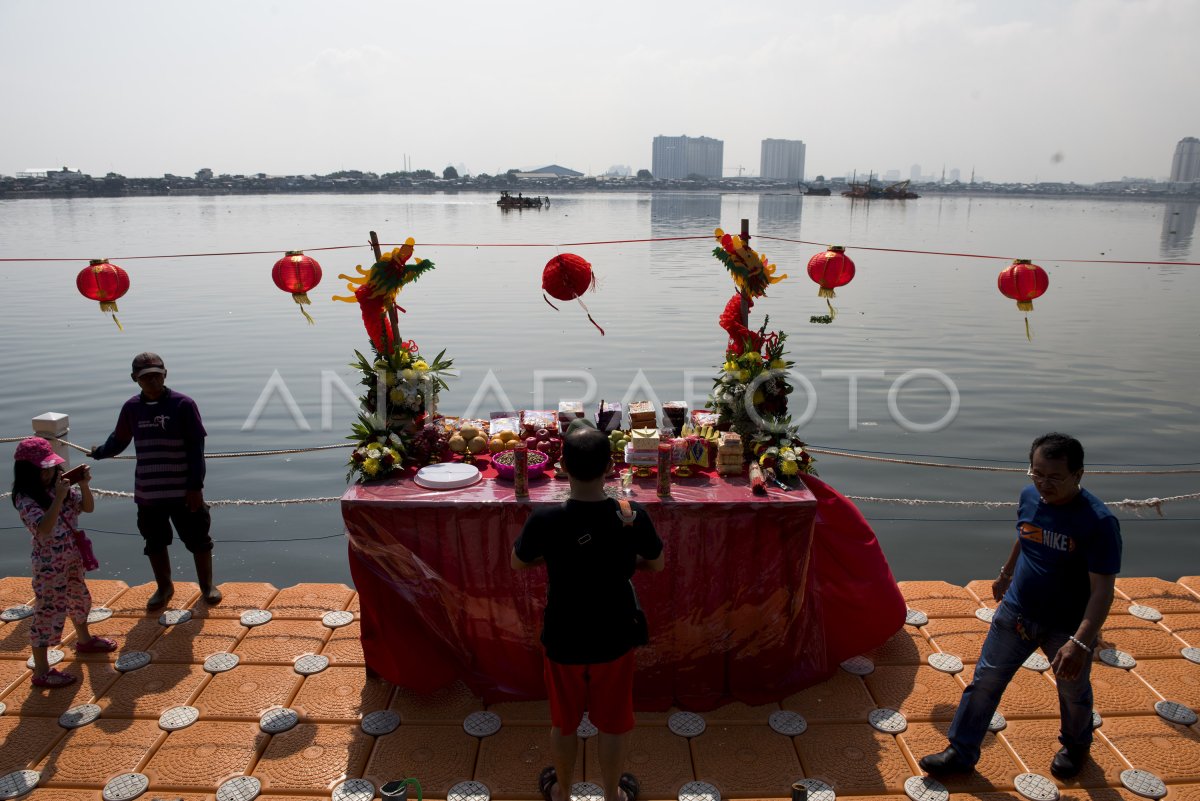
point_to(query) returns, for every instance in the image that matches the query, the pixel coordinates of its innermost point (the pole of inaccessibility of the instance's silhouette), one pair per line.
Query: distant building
(204, 174)
(891, 175)
(914, 172)
(550, 171)
(782, 159)
(677, 157)
(1185, 167)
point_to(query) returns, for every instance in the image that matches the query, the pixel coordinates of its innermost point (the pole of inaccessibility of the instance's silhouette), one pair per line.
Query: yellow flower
(789, 468)
(753, 357)
(730, 366)
(371, 466)
(405, 359)
(778, 364)
(420, 365)
(743, 375)
(396, 395)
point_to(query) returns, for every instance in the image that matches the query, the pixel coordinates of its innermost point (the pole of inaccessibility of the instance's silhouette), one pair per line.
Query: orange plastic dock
(233, 675)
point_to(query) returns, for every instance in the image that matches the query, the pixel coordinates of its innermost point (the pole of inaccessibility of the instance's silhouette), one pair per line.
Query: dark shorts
(604, 691)
(154, 522)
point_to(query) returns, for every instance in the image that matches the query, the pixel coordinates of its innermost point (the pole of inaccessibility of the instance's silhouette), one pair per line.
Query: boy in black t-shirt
(590, 545)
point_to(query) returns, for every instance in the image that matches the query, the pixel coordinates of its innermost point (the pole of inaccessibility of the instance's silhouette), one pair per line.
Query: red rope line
(980, 255)
(607, 242)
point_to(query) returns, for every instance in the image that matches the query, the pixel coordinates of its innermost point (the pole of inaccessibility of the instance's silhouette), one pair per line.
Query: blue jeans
(1010, 641)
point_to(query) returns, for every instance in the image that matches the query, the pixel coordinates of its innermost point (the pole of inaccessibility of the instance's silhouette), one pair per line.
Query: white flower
(374, 453)
(392, 438)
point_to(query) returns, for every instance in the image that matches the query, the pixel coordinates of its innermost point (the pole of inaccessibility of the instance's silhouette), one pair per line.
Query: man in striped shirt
(168, 484)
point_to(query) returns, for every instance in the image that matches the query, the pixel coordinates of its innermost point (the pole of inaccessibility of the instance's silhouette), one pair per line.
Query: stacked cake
(674, 415)
(641, 415)
(730, 458)
(608, 416)
(643, 447)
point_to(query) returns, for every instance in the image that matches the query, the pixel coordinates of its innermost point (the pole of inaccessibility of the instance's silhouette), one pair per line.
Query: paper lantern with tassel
(1023, 281)
(829, 270)
(567, 277)
(297, 274)
(105, 283)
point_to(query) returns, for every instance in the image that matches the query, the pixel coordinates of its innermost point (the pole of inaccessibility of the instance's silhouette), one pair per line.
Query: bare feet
(212, 595)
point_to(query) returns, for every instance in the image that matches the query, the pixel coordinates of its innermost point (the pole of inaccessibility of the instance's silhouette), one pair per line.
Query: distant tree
(820, 179)
(423, 174)
(483, 176)
(644, 175)
(511, 172)
(450, 174)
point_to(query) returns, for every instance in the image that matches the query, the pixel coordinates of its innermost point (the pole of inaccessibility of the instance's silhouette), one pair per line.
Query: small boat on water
(870, 191)
(519, 201)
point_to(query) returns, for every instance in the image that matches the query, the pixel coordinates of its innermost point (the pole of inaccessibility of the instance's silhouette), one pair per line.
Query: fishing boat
(519, 201)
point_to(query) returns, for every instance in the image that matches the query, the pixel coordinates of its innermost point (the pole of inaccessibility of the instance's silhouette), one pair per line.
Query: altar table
(761, 595)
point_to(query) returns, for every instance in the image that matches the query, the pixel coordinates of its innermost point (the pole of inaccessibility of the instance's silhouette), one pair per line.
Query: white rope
(1135, 505)
(988, 468)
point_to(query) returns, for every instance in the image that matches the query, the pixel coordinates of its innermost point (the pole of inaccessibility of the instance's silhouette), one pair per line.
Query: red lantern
(1023, 281)
(831, 269)
(103, 282)
(567, 277)
(297, 273)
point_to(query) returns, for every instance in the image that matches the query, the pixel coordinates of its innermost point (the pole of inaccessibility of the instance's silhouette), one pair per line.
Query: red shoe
(96, 645)
(53, 678)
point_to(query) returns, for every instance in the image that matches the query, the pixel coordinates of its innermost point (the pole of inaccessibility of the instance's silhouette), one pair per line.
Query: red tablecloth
(761, 596)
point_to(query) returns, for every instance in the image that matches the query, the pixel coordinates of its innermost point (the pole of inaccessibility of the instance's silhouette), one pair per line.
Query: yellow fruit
(511, 445)
(508, 436)
(477, 445)
(469, 432)
(495, 445)
(457, 444)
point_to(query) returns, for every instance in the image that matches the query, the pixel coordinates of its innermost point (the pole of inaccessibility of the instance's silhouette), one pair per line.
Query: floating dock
(195, 723)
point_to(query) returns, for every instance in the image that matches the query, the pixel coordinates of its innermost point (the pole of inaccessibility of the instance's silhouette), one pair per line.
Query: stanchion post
(52, 426)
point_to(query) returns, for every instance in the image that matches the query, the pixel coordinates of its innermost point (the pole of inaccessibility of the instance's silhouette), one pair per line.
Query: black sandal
(546, 780)
(629, 783)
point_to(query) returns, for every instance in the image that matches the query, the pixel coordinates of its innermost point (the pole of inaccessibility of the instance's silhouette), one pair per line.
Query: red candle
(664, 469)
(521, 470)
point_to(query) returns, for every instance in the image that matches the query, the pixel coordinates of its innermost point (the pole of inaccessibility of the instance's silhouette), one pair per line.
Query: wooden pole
(744, 312)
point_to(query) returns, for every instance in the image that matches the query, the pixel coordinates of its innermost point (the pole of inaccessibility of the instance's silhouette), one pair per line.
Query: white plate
(447, 475)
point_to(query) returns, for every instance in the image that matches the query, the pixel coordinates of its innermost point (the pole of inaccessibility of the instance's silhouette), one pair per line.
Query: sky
(1020, 90)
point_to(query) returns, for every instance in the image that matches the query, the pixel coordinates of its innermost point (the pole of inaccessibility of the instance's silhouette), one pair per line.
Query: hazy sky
(1021, 89)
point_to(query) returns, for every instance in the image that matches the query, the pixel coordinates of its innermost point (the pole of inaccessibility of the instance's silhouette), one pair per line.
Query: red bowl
(538, 463)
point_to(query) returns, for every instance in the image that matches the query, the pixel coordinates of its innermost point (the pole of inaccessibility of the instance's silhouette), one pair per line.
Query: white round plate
(447, 475)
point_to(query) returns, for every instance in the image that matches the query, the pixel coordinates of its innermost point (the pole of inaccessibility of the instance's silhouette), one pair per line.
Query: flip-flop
(546, 780)
(629, 783)
(96, 645)
(53, 678)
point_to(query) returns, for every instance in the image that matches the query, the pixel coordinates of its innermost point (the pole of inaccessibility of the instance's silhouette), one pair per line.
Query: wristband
(1079, 642)
(1005, 573)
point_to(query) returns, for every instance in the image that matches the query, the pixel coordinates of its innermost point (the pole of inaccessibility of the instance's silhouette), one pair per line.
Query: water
(1111, 360)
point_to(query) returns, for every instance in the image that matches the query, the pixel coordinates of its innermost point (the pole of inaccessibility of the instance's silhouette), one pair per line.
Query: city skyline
(1015, 91)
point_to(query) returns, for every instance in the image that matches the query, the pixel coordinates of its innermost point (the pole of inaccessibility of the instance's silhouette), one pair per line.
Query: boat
(519, 201)
(869, 191)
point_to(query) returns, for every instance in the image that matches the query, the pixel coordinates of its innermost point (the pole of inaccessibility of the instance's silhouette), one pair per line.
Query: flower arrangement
(400, 392)
(750, 398)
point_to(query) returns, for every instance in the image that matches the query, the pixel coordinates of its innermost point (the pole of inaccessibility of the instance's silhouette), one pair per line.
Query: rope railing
(219, 454)
(1134, 505)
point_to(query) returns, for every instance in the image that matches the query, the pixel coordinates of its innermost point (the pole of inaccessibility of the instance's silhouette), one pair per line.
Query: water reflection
(1179, 225)
(780, 210)
(673, 213)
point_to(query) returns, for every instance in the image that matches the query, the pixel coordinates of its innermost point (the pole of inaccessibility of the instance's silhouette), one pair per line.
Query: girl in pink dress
(49, 506)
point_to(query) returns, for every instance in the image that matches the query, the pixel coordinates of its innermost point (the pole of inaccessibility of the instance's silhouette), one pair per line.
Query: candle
(664, 469)
(521, 470)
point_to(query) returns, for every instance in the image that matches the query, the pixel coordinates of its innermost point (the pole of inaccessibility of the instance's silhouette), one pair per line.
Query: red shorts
(604, 690)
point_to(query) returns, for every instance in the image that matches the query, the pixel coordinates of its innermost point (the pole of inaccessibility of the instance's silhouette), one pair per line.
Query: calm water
(1112, 358)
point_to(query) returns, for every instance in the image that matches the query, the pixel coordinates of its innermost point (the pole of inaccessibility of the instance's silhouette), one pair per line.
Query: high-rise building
(680, 156)
(782, 159)
(914, 172)
(1186, 164)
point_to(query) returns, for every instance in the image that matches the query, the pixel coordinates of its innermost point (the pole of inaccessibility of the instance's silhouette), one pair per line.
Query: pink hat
(38, 451)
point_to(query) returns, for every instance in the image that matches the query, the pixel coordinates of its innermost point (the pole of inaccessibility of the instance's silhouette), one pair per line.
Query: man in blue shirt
(1055, 591)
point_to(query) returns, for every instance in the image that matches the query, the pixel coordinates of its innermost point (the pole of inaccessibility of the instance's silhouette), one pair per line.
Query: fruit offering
(503, 441)
(618, 439)
(429, 445)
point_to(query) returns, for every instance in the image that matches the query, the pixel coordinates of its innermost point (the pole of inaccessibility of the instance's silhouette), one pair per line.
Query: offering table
(739, 613)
